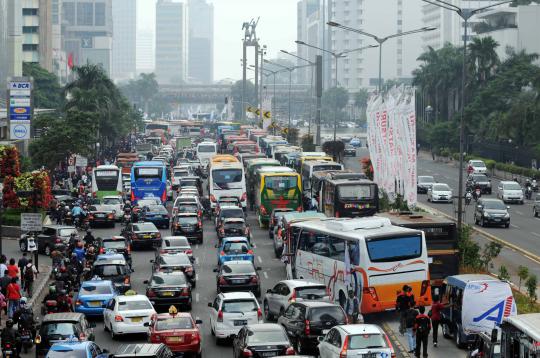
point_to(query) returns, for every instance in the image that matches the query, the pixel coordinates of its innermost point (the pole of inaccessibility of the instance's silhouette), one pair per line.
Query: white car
(277, 299)
(510, 191)
(169, 190)
(127, 315)
(477, 166)
(115, 204)
(363, 340)
(439, 192)
(231, 311)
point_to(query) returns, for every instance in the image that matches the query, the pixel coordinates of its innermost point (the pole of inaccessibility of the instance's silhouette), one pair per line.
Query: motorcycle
(528, 193)
(477, 194)
(468, 198)
(27, 341)
(50, 306)
(9, 350)
(534, 185)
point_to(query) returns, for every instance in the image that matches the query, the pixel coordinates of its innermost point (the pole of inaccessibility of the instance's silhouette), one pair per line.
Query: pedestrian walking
(13, 270)
(21, 264)
(4, 282)
(351, 308)
(422, 327)
(404, 301)
(13, 296)
(436, 309)
(30, 274)
(410, 318)
(3, 266)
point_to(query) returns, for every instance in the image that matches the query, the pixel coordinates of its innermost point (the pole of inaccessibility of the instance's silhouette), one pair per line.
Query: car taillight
(111, 216)
(134, 236)
(101, 250)
(259, 313)
(212, 198)
(254, 279)
(195, 337)
(8, 345)
(307, 328)
(78, 302)
(94, 194)
(299, 209)
(343, 353)
(158, 235)
(118, 318)
(126, 280)
(189, 252)
(150, 293)
(222, 231)
(244, 197)
(425, 286)
(250, 252)
(185, 292)
(220, 316)
(247, 353)
(263, 211)
(290, 352)
(188, 269)
(336, 214)
(222, 281)
(82, 336)
(90, 217)
(293, 296)
(222, 253)
(200, 224)
(129, 249)
(390, 345)
(372, 292)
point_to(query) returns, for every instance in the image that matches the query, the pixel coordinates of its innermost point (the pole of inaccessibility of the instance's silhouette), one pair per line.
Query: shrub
(503, 273)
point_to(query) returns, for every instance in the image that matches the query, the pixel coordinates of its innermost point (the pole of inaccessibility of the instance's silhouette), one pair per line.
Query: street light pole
(465, 14)
(379, 40)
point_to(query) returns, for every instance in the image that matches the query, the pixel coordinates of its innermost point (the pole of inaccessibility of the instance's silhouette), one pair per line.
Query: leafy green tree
(490, 251)
(503, 273)
(523, 273)
(531, 284)
(483, 57)
(47, 91)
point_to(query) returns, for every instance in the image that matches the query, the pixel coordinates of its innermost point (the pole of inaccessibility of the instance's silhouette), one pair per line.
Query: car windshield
(266, 337)
(181, 173)
(235, 248)
(111, 201)
(206, 149)
(232, 213)
(174, 259)
(176, 242)
(239, 268)
(146, 202)
(426, 179)
(58, 328)
(110, 270)
(134, 305)
(176, 279)
(311, 293)
(494, 205)
(95, 290)
(233, 225)
(157, 209)
(367, 341)
(480, 178)
(326, 314)
(145, 227)
(188, 208)
(512, 186)
(67, 232)
(232, 306)
(67, 353)
(188, 220)
(477, 163)
(174, 323)
(114, 244)
(441, 187)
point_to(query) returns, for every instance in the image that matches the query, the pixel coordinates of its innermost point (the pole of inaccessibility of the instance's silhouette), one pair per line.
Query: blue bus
(148, 180)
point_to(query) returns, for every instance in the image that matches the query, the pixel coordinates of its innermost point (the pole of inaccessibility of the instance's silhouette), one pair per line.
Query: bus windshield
(281, 182)
(394, 248)
(227, 178)
(355, 192)
(206, 148)
(148, 173)
(107, 179)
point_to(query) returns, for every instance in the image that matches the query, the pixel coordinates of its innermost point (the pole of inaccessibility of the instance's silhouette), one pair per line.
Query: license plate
(237, 281)
(25, 337)
(136, 319)
(269, 354)
(325, 331)
(168, 293)
(147, 236)
(369, 355)
(179, 339)
(95, 303)
(240, 322)
(100, 215)
(497, 219)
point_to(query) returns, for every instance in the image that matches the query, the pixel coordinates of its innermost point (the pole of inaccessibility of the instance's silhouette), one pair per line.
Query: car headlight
(507, 216)
(486, 214)
(489, 183)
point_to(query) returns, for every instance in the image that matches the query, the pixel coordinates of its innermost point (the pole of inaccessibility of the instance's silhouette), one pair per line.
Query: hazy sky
(276, 29)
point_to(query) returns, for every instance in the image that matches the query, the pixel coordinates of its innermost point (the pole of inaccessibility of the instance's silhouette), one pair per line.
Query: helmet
(9, 323)
(63, 269)
(62, 292)
(88, 232)
(128, 202)
(52, 289)
(23, 301)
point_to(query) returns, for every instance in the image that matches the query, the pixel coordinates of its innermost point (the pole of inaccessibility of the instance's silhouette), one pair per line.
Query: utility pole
(318, 93)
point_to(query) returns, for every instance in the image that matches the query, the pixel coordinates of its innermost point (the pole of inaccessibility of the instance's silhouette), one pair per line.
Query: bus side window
(354, 253)
(306, 240)
(337, 246)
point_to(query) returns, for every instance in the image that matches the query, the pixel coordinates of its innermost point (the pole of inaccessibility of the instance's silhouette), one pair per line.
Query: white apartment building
(146, 51)
(124, 52)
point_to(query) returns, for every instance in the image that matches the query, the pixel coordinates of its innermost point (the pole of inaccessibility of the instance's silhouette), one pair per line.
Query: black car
(479, 180)
(228, 212)
(142, 234)
(50, 234)
(169, 288)
(274, 219)
(305, 321)
(238, 276)
(117, 244)
(423, 183)
(233, 227)
(143, 350)
(188, 225)
(349, 151)
(262, 340)
(101, 216)
(57, 327)
(114, 268)
(491, 212)
(175, 262)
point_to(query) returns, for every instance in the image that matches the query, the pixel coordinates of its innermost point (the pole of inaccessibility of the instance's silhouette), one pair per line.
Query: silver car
(439, 192)
(363, 340)
(278, 298)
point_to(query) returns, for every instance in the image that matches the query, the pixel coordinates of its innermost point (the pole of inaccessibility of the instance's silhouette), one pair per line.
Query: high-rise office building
(172, 42)
(87, 29)
(124, 52)
(201, 42)
(36, 32)
(10, 39)
(59, 57)
(146, 58)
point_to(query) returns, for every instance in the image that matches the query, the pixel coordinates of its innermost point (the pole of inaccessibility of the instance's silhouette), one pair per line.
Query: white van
(205, 151)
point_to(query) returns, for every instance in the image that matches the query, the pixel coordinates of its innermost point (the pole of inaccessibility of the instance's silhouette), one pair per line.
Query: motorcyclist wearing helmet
(51, 296)
(77, 211)
(11, 336)
(91, 255)
(80, 251)
(64, 302)
(89, 239)
(57, 255)
(24, 317)
(127, 205)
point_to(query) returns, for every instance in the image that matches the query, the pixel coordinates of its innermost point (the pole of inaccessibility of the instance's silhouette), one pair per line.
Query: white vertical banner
(391, 136)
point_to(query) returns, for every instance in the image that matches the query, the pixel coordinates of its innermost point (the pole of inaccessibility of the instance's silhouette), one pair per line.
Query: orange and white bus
(379, 257)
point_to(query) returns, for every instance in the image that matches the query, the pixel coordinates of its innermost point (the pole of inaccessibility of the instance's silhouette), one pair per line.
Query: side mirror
(320, 338)
(215, 270)
(145, 282)
(198, 321)
(269, 291)
(151, 261)
(146, 324)
(258, 268)
(210, 304)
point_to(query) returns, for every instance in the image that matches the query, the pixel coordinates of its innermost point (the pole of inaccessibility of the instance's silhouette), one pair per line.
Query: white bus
(106, 180)
(226, 179)
(381, 259)
(205, 151)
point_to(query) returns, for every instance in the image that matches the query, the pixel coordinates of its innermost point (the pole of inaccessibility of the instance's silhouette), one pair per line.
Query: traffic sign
(31, 222)
(267, 114)
(250, 109)
(19, 130)
(258, 112)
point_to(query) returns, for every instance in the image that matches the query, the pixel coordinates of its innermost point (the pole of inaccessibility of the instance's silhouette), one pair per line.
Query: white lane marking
(514, 226)
(265, 275)
(519, 212)
(197, 246)
(197, 297)
(535, 234)
(259, 259)
(196, 277)
(428, 171)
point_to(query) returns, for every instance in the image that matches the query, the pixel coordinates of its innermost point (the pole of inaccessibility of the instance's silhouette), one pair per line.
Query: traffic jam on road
(237, 242)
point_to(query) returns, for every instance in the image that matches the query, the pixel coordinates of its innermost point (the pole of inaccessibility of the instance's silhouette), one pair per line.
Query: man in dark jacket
(422, 327)
(4, 281)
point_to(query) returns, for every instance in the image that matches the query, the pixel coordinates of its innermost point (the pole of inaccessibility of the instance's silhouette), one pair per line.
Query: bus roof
(275, 169)
(528, 323)
(152, 163)
(222, 158)
(227, 165)
(305, 159)
(356, 228)
(410, 219)
(256, 161)
(106, 167)
(314, 154)
(349, 181)
(295, 216)
(460, 281)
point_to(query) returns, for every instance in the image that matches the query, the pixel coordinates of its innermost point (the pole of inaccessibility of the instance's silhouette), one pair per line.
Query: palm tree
(483, 57)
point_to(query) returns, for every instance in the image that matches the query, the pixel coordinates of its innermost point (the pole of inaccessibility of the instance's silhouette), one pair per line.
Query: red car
(178, 331)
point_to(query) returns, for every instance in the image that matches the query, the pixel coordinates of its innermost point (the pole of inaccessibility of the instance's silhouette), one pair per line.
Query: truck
(182, 143)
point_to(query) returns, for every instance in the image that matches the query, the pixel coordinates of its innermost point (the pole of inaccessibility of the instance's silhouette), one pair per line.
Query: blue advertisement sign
(20, 113)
